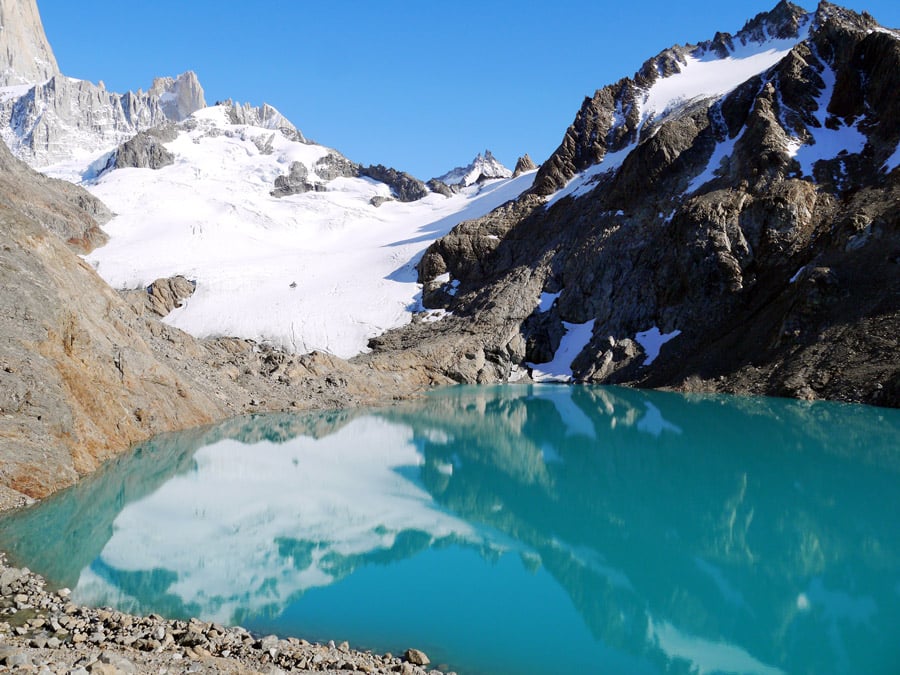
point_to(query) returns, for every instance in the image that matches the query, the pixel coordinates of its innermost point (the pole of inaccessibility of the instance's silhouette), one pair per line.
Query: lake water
(515, 529)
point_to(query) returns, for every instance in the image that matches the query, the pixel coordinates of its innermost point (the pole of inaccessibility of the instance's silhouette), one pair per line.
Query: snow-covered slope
(706, 73)
(483, 167)
(324, 270)
(623, 115)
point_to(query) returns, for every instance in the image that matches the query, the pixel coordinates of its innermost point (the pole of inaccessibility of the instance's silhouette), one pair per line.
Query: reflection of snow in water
(576, 422)
(252, 526)
(728, 591)
(705, 656)
(654, 423)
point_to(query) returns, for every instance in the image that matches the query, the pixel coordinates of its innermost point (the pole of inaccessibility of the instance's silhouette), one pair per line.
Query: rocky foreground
(43, 632)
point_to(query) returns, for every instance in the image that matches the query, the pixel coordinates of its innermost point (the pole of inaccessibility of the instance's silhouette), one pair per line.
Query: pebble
(416, 657)
(57, 637)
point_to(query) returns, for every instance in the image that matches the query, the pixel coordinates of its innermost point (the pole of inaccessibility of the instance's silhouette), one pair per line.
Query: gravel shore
(44, 633)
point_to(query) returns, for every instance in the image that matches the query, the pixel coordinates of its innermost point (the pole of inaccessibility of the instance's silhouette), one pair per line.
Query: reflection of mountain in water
(715, 532)
(719, 516)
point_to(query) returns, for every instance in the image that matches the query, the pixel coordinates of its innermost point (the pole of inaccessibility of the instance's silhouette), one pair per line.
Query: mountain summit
(483, 167)
(25, 54)
(47, 118)
(724, 219)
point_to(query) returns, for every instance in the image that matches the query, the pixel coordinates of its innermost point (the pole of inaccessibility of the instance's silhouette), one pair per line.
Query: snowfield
(315, 271)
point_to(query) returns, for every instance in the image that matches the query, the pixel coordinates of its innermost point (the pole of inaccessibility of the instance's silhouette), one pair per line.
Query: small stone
(416, 657)
(268, 643)
(18, 660)
(54, 643)
(64, 593)
(344, 646)
(120, 663)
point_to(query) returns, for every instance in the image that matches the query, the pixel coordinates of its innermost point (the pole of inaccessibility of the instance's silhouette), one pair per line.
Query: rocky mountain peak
(782, 22)
(180, 96)
(265, 116)
(737, 197)
(25, 54)
(483, 167)
(523, 164)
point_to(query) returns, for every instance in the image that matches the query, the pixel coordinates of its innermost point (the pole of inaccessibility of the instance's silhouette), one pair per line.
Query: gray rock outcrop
(180, 96)
(403, 186)
(296, 182)
(25, 54)
(264, 116)
(145, 151)
(164, 295)
(524, 164)
(335, 165)
(441, 188)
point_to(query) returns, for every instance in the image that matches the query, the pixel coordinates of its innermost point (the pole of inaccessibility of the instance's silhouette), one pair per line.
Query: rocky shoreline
(43, 632)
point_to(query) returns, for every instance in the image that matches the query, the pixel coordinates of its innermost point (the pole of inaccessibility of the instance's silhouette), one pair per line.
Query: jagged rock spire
(25, 53)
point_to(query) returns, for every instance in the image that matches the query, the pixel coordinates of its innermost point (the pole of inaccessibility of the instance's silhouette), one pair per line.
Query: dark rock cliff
(761, 225)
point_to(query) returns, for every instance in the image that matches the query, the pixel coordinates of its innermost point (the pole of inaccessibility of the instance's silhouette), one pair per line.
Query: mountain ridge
(767, 206)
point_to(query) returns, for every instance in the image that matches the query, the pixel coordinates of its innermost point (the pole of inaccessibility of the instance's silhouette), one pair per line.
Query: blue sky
(415, 85)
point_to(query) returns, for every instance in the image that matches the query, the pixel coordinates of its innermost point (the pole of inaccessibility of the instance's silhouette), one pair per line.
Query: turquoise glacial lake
(516, 529)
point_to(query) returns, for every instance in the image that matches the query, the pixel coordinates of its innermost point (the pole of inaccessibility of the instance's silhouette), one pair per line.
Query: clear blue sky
(422, 86)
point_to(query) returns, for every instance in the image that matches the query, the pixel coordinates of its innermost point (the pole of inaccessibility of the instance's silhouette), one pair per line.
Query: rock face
(524, 164)
(58, 118)
(69, 212)
(25, 54)
(404, 187)
(483, 167)
(757, 228)
(264, 116)
(180, 96)
(145, 150)
(616, 115)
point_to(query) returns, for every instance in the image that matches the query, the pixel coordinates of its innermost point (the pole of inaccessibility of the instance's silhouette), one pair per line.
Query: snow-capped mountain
(732, 203)
(46, 117)
(483, 167)
(62, 119)
(286, 241)
(327, 267)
